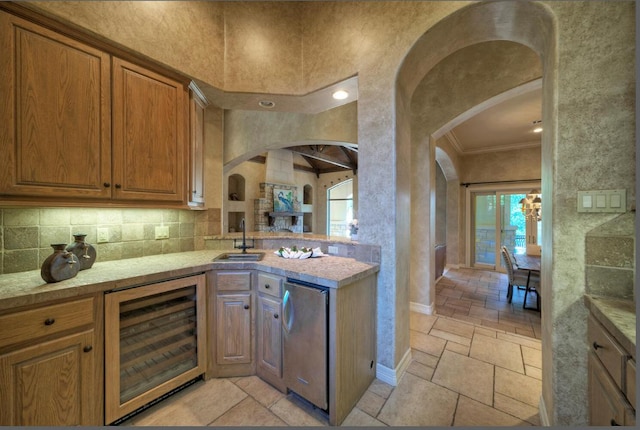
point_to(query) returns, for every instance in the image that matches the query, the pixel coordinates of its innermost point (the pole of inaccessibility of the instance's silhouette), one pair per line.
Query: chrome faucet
(244, 245)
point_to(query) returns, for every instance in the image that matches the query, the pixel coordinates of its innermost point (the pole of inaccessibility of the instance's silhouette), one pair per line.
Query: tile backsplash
(26, 234)
(610, 258)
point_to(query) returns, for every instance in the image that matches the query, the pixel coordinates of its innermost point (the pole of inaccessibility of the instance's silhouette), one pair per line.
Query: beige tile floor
(467, 369)
(480, 297)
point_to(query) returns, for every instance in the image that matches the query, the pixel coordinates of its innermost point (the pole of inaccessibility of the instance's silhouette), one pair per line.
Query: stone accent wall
(486, 243)
(27, 233)
(264, 205)
(610, 258)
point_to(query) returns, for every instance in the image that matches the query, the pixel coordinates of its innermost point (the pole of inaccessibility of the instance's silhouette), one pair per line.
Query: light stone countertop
(28, 288)
(618, 317)
(251, 235)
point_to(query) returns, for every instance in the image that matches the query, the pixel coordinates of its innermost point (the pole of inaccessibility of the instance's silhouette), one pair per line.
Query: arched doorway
(526, 23)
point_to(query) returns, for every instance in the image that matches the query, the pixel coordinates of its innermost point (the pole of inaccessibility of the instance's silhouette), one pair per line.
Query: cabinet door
(269, 335)
(606, 403)
(233, 328)
(55, 133)
(50, 384)
(196, 189)
(149, 134)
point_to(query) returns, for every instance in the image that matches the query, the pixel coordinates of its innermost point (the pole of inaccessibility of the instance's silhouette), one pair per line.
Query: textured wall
(263, 47)
(187, 36)
(249, 133)
(594, 149)
(510, 165)
(468, 77)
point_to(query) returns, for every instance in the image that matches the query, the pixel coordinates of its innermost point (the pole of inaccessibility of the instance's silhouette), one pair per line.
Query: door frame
(485, 187)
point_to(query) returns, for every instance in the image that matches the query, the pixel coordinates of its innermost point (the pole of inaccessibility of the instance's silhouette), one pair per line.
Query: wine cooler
(154, 342)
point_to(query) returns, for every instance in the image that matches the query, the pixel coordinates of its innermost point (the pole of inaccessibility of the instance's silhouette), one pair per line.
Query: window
(340, 209)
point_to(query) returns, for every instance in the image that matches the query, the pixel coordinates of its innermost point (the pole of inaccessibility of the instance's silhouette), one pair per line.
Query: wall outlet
(162, 232)
(332, 249)
(103, 235)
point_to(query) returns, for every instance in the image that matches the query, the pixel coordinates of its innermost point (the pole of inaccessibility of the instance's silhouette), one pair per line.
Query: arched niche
(236, 187)
(307, 195)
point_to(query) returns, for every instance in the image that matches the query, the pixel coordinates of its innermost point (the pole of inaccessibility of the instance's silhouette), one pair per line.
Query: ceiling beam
(310, 153)
(305, 168)
(350, 148)
(258, 159)
(350, 157)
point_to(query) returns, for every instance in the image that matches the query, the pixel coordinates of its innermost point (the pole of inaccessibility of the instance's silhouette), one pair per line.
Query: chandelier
(531, 205)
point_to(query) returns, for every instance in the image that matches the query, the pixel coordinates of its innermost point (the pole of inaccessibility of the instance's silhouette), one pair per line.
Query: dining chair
(520, 278)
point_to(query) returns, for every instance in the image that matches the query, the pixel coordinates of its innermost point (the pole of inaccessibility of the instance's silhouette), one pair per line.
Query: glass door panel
(499, 218)
(512, 224)
(484, 227)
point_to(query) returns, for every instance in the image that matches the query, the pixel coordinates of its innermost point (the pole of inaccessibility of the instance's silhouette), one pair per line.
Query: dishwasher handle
(287, 311)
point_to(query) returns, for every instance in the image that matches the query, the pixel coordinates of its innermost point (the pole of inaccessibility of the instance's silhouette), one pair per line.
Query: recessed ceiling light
(340, 95)
(538, 124)
(267, 104)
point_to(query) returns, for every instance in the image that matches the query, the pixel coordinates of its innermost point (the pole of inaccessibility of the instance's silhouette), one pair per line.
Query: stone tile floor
(479, 366)
(480, 297)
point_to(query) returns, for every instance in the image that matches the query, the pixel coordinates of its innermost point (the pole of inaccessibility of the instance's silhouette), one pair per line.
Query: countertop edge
(106, 276)
(615, 315)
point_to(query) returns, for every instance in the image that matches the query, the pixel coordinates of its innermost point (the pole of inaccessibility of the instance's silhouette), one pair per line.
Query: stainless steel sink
(238, 256)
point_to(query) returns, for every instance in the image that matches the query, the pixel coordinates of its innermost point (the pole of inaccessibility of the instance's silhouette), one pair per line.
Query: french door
(495, 219)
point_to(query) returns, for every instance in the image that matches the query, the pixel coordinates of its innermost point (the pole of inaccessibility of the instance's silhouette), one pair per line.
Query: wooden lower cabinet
(610, 371)
(352, 345)
(269, 330)
(269, 336)
(607, 405)
(233, 317)
(351, 333)
(231, 322)
(50, 384)
(53, 375)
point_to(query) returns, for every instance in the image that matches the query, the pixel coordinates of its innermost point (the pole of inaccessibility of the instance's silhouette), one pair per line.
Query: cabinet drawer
(270, 284)
(607, 349)
(630, 387)
(233, 281)
(46, 320)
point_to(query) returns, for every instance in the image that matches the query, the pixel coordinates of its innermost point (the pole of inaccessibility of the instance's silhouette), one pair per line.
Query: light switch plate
(162, 232)
(103, 235)
(602, 201)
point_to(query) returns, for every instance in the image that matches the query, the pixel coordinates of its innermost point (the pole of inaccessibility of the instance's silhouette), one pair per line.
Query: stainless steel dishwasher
(305, 323)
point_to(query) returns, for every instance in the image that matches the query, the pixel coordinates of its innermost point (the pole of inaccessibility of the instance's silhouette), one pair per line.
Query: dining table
(530, 263)
(527, 262)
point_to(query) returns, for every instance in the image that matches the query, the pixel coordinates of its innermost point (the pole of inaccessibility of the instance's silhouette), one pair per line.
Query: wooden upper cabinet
(150, 133)
(198, 104)
(55, 110)
(79, 124)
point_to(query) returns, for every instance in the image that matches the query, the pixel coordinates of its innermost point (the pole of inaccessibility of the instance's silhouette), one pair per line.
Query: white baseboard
(420, 308)
(392, 376)
(542, 409)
